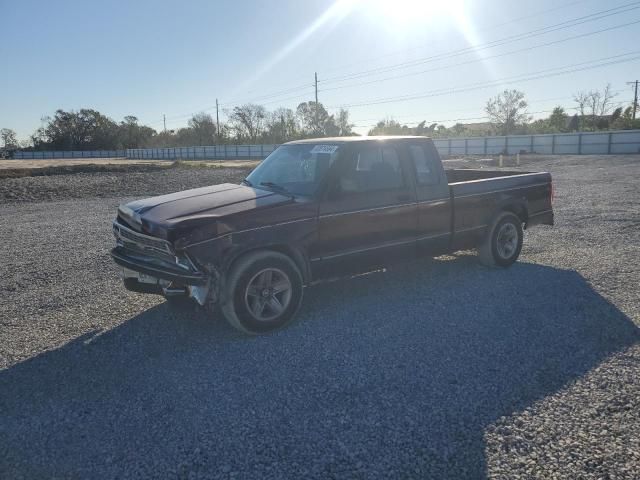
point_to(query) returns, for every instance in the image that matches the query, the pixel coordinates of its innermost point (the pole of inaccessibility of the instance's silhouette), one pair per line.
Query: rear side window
(373, 168)
(426, 171)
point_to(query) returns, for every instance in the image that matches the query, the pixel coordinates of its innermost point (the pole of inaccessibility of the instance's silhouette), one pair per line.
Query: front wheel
(264, 292)
(503, 242)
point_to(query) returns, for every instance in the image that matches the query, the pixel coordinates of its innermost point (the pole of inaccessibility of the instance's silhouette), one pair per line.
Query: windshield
(295, 169)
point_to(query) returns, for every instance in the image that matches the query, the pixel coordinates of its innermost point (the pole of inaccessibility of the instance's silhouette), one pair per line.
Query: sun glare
(415, 11)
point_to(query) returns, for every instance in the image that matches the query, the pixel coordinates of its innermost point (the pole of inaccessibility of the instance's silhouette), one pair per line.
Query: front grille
(142, 243)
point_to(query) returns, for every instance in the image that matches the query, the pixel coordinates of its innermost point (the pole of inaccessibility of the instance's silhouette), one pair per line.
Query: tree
(315, 120)
(9, 138)
(282, 126)
(248, 121)
(558, 120)
(389, 127)
(582, 99)
(133, 135)
(422, 129)
(617, 113)
(458, 129)
(392, 127)
(507, 110)
(625, 121)
(344, 127)
(574, 124)
(203, 128)
(596, 104)
(84, 129)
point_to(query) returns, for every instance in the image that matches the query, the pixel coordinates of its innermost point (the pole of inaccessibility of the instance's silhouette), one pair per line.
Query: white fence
(19, 155)
(213, 152)
(602, 143)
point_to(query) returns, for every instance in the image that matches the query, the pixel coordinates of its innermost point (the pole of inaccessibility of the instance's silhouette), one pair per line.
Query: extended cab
(321, 208)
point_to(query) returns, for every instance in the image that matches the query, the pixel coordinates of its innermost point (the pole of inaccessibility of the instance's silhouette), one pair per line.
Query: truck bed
(457, 175)
(477, 194)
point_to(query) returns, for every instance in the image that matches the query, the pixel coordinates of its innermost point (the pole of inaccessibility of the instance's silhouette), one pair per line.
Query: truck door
(433, 199)
(369, 212)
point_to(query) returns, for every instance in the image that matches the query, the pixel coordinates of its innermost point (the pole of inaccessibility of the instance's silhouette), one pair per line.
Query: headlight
(130, 215)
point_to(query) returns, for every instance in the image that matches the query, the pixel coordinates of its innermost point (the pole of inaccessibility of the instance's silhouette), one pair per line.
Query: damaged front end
(151, 265)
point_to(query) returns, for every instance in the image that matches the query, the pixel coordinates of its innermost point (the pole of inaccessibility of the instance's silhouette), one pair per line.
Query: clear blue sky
(149, 58)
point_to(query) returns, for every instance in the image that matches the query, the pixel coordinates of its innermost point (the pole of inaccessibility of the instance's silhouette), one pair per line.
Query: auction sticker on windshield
(324, 149)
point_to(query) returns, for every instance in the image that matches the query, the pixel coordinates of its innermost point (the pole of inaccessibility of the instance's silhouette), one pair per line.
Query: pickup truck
(316, 209)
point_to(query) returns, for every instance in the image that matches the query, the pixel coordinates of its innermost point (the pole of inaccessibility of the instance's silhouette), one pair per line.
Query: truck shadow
(385, 375)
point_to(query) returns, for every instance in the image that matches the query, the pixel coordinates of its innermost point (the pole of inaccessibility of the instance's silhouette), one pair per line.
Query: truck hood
(159, 216)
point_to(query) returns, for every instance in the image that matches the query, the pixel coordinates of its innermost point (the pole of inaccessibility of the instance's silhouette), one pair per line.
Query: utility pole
(217, 120)
(164, 120)
(316, 109)
(635, 97)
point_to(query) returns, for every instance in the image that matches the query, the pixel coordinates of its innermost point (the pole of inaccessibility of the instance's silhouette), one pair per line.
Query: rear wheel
(264, 292)
(503, 242)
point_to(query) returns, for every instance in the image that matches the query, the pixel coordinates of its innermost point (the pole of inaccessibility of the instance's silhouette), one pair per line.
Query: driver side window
(372, 168)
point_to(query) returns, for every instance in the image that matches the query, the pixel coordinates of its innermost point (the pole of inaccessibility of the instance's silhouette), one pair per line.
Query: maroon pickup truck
(316, 209)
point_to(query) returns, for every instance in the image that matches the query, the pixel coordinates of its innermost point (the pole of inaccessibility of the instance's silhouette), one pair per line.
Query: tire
(503, 242)
(263, 292)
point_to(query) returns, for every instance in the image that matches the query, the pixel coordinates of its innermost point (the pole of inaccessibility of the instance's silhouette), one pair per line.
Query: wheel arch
(519, 207)
(294, 253)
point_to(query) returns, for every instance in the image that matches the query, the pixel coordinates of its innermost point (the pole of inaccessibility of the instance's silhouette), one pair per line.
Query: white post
(500, 161)
(518, 159)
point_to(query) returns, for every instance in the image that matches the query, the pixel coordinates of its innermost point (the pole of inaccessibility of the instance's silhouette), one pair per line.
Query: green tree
(9, 138)
(282, 126)
(203, 129)
(389, 127)
(593, 106)
(625, 121)
(507, 110)
(345, 128)
(133, 135)
(316, 121)
(85, 129)
(558, 120)
(248, 121)
(459, 129)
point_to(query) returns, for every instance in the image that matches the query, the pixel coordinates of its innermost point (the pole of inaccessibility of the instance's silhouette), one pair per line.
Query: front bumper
(159, 270)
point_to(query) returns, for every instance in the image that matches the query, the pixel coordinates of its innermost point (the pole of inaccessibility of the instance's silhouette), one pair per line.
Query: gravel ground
(138, 181)
(438, 369)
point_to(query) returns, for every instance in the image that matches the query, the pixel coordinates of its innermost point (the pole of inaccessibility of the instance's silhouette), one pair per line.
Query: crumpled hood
(190, 208)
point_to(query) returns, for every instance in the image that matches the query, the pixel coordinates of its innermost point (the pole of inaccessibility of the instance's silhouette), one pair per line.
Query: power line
(483, 29)
(267, 96)
(486, 28)
(509, 39)
(526, 77)
(566, 24)
(476, 60)
(522, 36)
(541, 31)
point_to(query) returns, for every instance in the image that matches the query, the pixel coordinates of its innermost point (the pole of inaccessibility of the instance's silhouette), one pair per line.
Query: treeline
(506, 114)
(88, 129)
